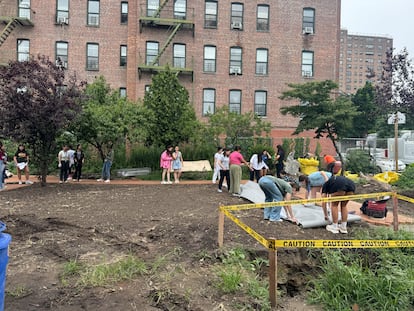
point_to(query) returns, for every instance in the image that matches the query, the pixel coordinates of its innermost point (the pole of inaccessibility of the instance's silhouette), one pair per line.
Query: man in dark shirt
(337, 186)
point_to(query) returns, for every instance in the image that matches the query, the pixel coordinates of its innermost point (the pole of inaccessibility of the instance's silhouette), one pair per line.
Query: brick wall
(284, 42)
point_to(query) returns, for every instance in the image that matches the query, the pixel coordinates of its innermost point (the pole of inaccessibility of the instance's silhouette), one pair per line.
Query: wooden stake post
(273, 277)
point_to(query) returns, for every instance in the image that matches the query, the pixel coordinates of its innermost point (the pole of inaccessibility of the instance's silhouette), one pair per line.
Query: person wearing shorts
(337, 186)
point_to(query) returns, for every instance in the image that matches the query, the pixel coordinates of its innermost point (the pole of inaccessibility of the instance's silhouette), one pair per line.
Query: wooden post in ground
(221, 228)
(395, 211)
(273, 278)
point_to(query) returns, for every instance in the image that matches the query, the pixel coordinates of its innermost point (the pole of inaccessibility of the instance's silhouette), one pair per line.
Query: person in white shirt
(216, 174)
(63, 164)
(258, 164)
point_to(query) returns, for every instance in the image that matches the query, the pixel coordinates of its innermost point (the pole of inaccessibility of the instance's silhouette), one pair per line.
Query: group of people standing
(69, 159)
(171, 160)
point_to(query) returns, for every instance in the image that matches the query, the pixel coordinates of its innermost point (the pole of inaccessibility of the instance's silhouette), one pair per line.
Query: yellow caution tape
(404, 198)
(273, 244)
(262, 240)
(317, 200)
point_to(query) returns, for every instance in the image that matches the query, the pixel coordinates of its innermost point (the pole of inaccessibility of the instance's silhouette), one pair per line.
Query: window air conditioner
(61, 64)
(308, 30)
(236, 25)
(63, 20)
(306, 74)
(93, 20)
(235, 70)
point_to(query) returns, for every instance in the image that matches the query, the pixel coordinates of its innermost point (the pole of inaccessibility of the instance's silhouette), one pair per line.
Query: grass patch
(239, 274)
(84, 275)
(372, 279)
(18, 292)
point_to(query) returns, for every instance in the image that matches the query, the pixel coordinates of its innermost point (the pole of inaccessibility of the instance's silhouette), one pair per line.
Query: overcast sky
(393, 18)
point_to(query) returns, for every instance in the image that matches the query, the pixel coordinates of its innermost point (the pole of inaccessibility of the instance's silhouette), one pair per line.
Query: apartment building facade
(360, 56)
(236, 53)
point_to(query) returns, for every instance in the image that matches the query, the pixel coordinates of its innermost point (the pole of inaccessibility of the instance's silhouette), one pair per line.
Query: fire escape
(10, 23)
(171, 21)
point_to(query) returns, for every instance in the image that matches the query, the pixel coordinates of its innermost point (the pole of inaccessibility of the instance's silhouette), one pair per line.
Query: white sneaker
(342, 229)
(276, 220)
(29, 182)
(163, 183)
(20, 182)
(60, 182)
(100, 179)
(224, 185)
(169, 182)
(332, 228)
(219, 190)
(107, 181)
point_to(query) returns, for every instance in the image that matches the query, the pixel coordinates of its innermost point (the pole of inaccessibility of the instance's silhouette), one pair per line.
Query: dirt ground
(95, 222)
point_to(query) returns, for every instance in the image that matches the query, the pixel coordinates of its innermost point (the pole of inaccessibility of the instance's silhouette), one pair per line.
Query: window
(123, 56)
(62, 54)
(23, 50)
(180, 9)
(93, 13)
(261, 61)
(262, 18)
(179, 55)
(308, 22)
(124, 12)
(152, 52)
(122, 92)
(24, 8)
(62, 12)
(209, 101)
(260, 103)
(92, 56)
(152, 7)
(236, 19)
(209, 59)
(210, 17)
(235, 101)
(307, 64)
(235, 60)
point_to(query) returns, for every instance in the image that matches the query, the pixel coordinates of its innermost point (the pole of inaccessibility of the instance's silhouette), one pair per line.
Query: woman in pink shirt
(236, 160)
(165, 164)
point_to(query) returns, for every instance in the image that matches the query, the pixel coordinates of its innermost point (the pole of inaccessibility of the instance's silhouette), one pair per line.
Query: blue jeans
(272, 194)
(106, 170)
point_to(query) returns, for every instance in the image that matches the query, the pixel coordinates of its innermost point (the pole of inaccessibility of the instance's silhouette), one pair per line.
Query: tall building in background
(239, 54)
(360, 56)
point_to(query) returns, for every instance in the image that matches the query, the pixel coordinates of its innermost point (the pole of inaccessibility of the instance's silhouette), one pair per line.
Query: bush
(406, 180)
(359, 161)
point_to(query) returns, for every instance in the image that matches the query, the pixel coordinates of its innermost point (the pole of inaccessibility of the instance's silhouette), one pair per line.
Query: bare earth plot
(174, 225)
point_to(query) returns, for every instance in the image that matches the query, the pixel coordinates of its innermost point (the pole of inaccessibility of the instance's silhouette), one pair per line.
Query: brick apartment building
(236, 53)
(360, 55)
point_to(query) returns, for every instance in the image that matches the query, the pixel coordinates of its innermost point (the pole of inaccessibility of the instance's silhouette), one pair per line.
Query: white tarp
(308, 217)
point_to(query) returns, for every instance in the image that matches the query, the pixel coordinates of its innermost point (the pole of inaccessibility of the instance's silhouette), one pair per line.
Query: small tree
(365, 122)
(330, 115)
(171, 117)
(394, 90)
(36, 104)
(108, 118)
(234, 125)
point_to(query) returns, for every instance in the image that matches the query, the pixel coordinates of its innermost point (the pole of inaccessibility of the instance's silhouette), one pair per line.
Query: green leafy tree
(171, 118)
(365, 122)
(108, 118)
(234, 125)
(37, 103)
(395, 85)
(320, 109)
